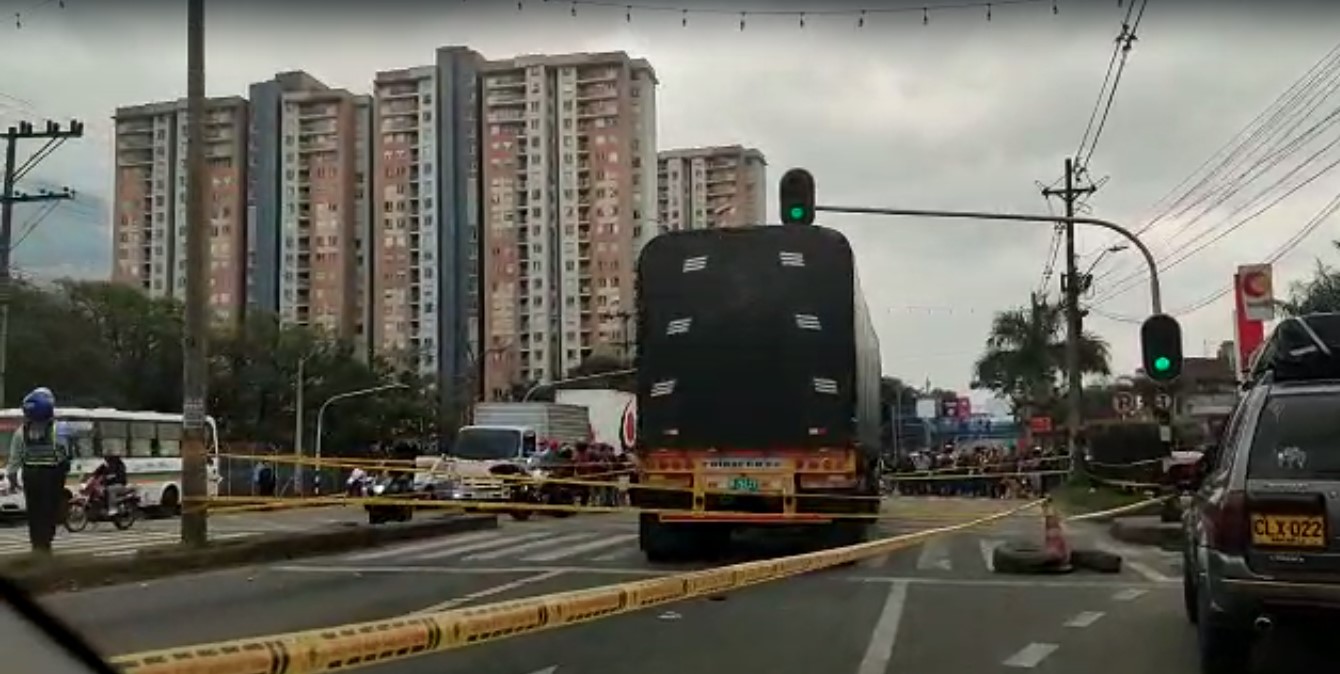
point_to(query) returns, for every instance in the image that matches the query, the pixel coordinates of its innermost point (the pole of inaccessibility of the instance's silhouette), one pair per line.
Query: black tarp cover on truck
(755, 338)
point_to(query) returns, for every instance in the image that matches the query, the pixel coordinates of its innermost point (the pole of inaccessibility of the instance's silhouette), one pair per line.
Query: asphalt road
(935, 608)
(101, 539)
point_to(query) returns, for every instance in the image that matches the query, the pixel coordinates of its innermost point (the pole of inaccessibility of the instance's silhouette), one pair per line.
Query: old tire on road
(1025, 558)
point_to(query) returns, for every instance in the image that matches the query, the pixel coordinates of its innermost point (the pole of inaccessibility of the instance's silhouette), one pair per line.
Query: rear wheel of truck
(662, 542)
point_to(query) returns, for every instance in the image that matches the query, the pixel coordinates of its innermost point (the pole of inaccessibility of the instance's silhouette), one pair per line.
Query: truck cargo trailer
(758, 387)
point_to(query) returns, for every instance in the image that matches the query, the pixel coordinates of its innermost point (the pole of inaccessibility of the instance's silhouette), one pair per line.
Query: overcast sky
(962, 113)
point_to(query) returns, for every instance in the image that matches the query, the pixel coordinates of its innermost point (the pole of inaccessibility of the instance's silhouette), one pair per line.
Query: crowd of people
(984, 472)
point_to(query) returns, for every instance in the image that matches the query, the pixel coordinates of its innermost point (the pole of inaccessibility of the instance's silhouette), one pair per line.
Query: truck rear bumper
(759, 519)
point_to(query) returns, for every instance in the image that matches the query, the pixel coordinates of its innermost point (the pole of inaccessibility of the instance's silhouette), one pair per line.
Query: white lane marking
(617, 554)
(885, 634)
(547, 670)
(481, 545)
(1004, 582)
(489, 591)
(1149, 572)
(1030, 656)
(571, 550)
(1084, 619)
(988, 548)
(416, 547)
(524, 547)
(934, 555)
(1129, 594)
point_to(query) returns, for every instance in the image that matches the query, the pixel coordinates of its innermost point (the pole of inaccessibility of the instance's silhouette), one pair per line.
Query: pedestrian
(44, 459)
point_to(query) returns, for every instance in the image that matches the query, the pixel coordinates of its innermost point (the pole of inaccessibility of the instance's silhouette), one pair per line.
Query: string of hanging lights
(859, 16)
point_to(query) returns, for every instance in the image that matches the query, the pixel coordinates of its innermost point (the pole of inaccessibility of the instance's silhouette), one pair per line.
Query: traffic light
(1161, 347)
(797, 195)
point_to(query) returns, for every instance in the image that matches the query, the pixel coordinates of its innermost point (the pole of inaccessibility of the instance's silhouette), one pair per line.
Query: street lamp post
(321, 416)
(299, 474)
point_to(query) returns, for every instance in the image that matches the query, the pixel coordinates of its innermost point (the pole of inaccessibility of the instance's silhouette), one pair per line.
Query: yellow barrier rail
(362, 644)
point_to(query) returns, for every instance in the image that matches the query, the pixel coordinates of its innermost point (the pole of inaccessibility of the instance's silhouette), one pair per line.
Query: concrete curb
(1141, 531)
(66, 573)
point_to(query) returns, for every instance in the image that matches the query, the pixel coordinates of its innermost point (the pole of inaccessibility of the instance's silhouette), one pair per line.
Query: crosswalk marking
(496, 541)
(400, 550)
(572, 550)
(495, 554)
(934, 555)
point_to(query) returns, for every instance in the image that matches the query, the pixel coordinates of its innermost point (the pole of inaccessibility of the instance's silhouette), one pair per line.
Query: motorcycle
(90, 505)
(390, 486)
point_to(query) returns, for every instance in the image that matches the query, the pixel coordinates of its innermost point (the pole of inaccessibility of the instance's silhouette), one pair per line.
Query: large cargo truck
(758, 375)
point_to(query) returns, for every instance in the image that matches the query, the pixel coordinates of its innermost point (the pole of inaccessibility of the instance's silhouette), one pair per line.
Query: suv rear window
(1297, 437)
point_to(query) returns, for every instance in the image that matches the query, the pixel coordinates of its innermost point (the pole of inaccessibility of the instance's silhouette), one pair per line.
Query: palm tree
(1025, 355)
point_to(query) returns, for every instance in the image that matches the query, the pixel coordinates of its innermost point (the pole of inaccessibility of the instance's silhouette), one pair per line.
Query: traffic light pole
(1155, 292)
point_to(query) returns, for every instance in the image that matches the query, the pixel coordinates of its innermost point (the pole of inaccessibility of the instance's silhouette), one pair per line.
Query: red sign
(963, 409)
(1249, 333)
(1040, 424)
(628, 426)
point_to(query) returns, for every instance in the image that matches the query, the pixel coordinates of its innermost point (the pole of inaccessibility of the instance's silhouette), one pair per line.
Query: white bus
(148, 442)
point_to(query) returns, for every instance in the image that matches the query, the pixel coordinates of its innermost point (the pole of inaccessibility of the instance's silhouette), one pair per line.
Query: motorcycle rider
(44, 459)
(111, 476)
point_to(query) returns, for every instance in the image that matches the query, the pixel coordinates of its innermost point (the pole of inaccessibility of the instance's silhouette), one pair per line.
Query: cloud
(961, 113)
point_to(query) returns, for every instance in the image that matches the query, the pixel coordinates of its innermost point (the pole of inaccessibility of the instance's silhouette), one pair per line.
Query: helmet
(39, 405)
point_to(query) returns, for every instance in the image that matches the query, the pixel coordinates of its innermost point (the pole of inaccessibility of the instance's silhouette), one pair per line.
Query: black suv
(1263, 529)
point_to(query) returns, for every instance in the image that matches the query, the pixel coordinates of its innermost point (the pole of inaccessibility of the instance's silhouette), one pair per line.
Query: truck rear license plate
(743, 483)
(1289, 531)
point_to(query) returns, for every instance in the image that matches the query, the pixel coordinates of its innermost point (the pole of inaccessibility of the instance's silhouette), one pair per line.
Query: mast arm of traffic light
(1155, 293)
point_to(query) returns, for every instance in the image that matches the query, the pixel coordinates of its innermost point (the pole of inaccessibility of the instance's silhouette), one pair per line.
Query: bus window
(142, 437)
(8, 429)
(115, 436)
(169, 438)
(79, 436)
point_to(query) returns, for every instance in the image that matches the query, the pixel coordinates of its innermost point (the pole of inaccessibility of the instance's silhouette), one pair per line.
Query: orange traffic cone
(1053, 536)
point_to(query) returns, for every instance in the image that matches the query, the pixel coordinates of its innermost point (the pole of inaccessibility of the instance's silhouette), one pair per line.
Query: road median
(73, 572)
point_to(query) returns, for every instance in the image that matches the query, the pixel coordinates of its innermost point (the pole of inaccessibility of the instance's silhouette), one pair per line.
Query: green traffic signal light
(1161, 348)
(796, 193)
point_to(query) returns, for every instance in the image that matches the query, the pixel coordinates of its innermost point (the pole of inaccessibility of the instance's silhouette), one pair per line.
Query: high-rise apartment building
(569, 185)
(149, 225)
(709, 187)
(323, 209)
(425, 215)
(264, 177)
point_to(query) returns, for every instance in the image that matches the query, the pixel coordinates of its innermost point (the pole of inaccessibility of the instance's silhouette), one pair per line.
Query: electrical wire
(1229, 151)
(1124, 43)
(1280, 251)
(1133, 280)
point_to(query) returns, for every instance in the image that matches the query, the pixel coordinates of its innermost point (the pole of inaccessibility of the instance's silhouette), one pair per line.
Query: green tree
(1025, 355)
(1321, 293)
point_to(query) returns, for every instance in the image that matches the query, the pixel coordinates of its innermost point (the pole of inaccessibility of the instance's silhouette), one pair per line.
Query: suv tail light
(1228, 525)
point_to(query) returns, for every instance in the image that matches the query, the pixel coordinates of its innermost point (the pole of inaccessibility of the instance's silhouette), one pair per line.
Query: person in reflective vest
(44, 459)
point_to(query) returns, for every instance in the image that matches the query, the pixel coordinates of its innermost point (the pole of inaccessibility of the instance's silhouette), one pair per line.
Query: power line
(1283, 249)
(1125, 39)
(1229, 151)
(1129, 282)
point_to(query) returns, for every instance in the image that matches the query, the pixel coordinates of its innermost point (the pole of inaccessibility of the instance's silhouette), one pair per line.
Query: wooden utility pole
(54, 135)
(195, 353)
(1073, 286)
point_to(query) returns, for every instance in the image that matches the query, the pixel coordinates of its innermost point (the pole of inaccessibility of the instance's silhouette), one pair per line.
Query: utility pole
(54, 135)
(1072, 285)
(194, 514)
